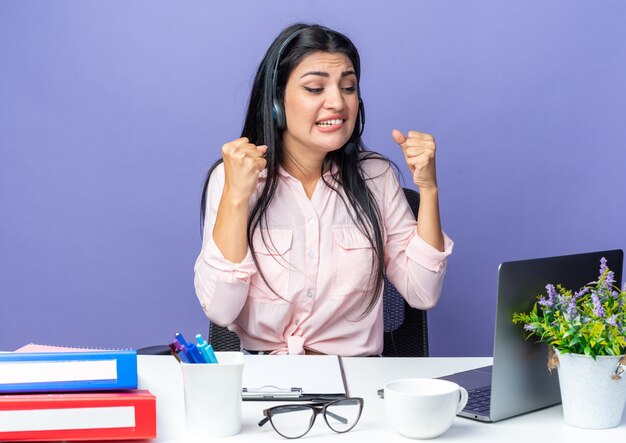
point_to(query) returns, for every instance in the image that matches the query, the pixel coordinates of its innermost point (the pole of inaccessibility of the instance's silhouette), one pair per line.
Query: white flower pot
(591, 398)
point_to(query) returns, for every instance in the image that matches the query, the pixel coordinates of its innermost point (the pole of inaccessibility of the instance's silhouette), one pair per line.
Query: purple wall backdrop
(111, 112)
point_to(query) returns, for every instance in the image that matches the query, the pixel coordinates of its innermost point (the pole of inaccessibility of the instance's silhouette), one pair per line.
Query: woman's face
(321, 104)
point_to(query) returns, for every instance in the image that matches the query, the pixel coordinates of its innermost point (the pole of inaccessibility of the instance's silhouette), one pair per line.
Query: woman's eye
(314, 90)
(349, 89)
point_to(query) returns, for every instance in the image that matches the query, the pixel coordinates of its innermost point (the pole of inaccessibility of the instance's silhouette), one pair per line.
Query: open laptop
(519, 380)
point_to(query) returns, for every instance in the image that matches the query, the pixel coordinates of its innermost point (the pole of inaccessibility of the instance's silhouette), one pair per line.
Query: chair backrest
(406, 328)
(222, 339)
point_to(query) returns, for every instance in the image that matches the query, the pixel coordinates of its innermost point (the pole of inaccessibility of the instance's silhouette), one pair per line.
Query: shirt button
(311, 254)
(297, 322)
(309, 294)
(311, 221)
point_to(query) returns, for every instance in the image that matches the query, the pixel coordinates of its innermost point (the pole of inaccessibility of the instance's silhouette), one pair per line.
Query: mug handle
(462, 400)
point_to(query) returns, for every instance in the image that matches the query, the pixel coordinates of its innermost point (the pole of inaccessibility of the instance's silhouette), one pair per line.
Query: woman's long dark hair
(290, 47)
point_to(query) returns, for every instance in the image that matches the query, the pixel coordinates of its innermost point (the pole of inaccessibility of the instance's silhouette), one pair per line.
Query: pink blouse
(319, 262)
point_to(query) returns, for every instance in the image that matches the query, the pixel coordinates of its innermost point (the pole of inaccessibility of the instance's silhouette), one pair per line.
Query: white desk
(161, 375)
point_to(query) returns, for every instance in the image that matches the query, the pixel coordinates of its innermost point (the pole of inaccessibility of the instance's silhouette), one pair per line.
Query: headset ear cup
(361, 116)
(278, 114)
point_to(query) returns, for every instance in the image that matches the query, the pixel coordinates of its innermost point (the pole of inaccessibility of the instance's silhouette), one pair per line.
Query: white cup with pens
(212, 389)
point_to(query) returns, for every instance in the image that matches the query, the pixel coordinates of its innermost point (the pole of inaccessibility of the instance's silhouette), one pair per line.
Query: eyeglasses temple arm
(337, 417)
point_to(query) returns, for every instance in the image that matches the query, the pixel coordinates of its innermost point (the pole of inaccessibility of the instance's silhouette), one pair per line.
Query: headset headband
(288, 40)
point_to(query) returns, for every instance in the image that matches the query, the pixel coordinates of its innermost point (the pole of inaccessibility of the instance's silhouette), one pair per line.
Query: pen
(179, 352)
(194, 354)
(182, 353)
(205, 349)
(180, 339)
(174, 352)
(193, 357)
(209, 350)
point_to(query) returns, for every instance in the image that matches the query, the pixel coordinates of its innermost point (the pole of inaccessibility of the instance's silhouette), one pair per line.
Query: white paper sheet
(314, 374)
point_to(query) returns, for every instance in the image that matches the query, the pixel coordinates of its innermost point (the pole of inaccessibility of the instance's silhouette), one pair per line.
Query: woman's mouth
(327, 123)
(330, 125)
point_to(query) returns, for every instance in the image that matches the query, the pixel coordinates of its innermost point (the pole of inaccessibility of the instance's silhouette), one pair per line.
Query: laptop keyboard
(478, 400)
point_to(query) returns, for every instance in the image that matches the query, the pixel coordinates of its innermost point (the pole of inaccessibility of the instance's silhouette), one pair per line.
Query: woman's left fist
(419, 152)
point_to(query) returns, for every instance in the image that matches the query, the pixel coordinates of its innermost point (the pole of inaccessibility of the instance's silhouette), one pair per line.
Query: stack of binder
(73, 395)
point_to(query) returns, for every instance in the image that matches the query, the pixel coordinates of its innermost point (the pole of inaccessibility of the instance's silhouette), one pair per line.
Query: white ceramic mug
(213, 396)
(423, 407)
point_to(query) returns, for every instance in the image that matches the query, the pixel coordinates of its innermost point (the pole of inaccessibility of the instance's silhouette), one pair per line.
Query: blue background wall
(111, 113)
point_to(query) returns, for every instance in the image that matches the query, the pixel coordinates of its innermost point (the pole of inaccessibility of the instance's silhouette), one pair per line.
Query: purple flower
(602, 267)
(552, 295)
(611, 320)
(605, 281)
(582, 292)
(571, 309)
(597, 306)
(545, 302)
(610, 279)
(529, 327)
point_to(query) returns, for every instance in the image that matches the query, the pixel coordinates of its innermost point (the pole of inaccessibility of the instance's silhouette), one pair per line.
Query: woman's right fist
(243, 162)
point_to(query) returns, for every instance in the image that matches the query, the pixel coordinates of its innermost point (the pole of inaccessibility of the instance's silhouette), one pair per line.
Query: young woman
(300, 221)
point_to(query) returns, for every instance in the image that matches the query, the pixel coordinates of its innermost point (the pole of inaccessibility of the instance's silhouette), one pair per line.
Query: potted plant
(586, 332)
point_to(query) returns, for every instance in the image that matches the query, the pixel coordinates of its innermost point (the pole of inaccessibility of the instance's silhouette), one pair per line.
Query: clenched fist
(419, 153)
(243, 161)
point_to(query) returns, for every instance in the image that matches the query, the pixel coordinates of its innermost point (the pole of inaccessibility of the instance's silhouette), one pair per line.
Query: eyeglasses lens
(341, 416)
(292, 421)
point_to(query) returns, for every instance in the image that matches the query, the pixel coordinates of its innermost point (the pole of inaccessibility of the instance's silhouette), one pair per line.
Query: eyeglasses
(294, 421)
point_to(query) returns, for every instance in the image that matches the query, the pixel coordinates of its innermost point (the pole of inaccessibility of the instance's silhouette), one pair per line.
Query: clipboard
(293, 377)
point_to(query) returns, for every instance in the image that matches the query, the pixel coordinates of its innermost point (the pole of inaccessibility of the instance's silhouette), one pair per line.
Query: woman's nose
(334, 99)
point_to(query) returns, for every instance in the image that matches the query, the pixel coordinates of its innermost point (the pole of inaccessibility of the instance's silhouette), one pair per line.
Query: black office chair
(222, 339)
(406, 328)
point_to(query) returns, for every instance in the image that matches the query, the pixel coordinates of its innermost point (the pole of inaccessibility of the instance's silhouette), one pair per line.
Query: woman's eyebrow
(326, 74)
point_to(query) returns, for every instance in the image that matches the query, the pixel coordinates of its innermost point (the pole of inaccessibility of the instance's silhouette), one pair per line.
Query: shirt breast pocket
(272, 253)
(352, 262)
